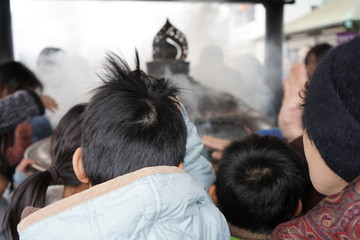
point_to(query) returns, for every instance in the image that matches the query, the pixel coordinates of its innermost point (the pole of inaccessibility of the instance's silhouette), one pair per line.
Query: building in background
(226, 38)
(246, 28)
(334, 22)
(247, 31)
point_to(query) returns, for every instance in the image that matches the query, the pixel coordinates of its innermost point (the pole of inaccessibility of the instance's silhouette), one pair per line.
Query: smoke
(245, 80)
(215, 112)
(86, 30)
(67, 78)
(208, 108)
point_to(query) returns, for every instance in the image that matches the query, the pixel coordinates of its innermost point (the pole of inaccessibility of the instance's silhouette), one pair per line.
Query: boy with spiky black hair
(134, 143)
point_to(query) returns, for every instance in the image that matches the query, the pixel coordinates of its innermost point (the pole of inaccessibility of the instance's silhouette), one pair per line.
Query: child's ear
(181, 165)
(298, 209)
(212, 193)
(78, 166)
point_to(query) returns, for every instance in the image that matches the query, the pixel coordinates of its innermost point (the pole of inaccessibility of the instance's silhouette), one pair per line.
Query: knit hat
(332, 110)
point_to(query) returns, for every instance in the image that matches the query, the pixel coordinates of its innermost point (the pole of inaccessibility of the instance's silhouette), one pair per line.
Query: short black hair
(15, 76)
(259, 183)
(132, 121)
(65, 139)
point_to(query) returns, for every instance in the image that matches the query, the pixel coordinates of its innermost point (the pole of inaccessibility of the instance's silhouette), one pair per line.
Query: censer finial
(170, 43)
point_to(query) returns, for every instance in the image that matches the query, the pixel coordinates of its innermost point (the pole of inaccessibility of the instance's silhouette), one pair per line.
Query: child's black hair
(15, 76)
(65, 139)
(259, 183)
(133, 121)
(6, 170)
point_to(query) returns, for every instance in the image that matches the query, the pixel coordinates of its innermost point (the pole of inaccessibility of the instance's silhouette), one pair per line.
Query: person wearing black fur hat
(332, 148)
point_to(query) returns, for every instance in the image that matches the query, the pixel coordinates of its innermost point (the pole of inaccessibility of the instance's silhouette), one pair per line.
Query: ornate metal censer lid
(170, 50)
(168, 42)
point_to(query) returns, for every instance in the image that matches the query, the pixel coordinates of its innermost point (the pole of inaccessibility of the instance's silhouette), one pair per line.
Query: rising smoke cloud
(120, 27)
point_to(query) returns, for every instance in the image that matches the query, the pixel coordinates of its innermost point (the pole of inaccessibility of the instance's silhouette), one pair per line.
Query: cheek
(320, 178)
(320, 174)
(316, 174)
(3, 93)
(324, 180)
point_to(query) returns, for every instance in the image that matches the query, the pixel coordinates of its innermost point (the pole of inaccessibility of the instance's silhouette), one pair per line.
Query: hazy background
(86, 30)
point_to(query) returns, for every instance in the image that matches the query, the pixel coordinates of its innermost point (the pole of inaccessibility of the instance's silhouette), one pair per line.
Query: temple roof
(331, 14)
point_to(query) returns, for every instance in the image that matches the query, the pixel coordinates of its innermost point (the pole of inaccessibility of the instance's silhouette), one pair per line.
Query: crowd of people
(128, 163)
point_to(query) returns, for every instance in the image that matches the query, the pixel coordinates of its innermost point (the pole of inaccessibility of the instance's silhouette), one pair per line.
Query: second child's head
(65, 139)
(15, 76)
(133, 121)
(259, 183)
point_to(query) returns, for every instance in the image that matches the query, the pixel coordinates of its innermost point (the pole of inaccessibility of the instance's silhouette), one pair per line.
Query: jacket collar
(92, 193)
(246, 235)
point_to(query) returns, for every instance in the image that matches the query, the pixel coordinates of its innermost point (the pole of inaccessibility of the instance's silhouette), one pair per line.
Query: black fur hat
(332, 109)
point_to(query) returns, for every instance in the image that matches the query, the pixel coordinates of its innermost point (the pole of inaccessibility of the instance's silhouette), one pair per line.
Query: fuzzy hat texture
(332, 109)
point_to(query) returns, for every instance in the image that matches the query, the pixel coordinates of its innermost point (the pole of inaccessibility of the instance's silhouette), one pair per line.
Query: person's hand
(217, 155)
(217, 144)
(48, 102)
(24, 165)
(22, 140)
(289, 119)
(23, 131)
